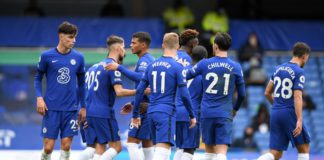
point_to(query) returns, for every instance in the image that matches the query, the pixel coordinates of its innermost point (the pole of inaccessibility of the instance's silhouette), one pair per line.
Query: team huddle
(179, 98)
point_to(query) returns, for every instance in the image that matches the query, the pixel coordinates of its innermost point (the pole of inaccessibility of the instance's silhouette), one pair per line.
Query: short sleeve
(42, 65)
(239, 75)
(115, 77)
(299, 81)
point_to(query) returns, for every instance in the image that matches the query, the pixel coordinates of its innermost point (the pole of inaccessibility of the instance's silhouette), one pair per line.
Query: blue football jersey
(61, 72)
(141, 66)
(195, 88)
(220, 76)
(100, 90)
(164, 76)
(286, 78)
(183, 57)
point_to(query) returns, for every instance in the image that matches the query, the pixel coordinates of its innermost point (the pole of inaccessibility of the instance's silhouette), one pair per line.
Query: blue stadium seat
(262, 140)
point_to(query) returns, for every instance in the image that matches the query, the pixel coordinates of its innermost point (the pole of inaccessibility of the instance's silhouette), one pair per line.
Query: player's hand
(136, 122)
(41, 106)
(234, 113)
(126, 109)
(112, 66)
(298, 129)
(193, 122)
(147, 91)
(82, 115)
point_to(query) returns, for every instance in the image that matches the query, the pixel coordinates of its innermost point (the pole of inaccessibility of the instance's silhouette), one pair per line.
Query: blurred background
(263, 33)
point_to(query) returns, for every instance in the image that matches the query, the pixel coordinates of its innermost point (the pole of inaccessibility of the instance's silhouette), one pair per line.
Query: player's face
(122, 53)
(136, 46)
(304, 60)
(68, 40)
(194, 43)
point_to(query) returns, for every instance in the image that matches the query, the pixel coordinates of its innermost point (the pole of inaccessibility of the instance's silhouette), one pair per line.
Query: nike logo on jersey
(54, 61)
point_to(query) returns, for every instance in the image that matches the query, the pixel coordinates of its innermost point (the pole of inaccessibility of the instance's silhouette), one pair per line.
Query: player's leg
(188, 139)
(179, 140)
(162, 151)
(279, 139)
(223, 137)
(208, 137)
(302, 140)
(65, 148)
(89, 152)
(135, 136)
(148, 148)
(209, 152)
(110, 135)
(50, 131)
(271, 155)
(165, 132)
(111, 153)
(303, 151)
(178, 154)
(48, 149)
(99, 150)
(69, 128)
(133, 148)
(188, 153)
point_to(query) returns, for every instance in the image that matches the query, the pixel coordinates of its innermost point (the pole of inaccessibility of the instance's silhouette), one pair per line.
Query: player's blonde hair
(171, 40)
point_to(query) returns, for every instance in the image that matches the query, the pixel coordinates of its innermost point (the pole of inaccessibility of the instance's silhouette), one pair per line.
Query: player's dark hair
(223, 41)
(113, 39)
(199, 52)
(68, 28)
(143, 37)
(300, 49)
(187, 35)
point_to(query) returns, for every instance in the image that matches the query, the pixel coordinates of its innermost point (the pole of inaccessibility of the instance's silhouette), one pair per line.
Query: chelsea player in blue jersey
(188, 139)
(188, 39)
(220, 77)
(164, 76)
(284, 91)
(102, 88)
(139, 46)
(64, 71)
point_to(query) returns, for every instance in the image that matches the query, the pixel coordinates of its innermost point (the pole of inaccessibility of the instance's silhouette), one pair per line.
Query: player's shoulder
(234, 63)
(148, 57)
(77, 53)
(48, 52)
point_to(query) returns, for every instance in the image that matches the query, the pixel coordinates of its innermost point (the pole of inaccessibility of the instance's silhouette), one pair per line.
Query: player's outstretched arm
(134, 76)
(268, 92)
(120, 91)
(298, 100)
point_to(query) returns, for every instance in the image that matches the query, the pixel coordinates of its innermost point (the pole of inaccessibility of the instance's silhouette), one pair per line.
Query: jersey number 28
(286, 87)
